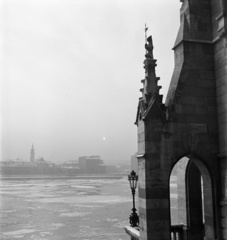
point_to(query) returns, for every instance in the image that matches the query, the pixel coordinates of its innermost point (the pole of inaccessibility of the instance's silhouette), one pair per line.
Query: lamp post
(133, 218)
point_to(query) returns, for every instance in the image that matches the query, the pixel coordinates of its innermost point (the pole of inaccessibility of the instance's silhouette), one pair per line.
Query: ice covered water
(64, 209)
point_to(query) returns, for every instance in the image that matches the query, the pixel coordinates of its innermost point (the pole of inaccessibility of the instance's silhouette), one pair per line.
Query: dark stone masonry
(192, 125)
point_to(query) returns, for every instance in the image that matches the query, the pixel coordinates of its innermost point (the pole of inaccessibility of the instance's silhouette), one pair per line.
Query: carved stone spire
(150, 87)
(151, 101)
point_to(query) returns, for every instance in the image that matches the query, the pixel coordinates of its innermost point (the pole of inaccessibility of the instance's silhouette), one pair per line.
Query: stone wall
(192, 123)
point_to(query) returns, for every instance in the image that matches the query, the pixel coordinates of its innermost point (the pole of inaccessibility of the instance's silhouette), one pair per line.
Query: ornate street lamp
(133, 218)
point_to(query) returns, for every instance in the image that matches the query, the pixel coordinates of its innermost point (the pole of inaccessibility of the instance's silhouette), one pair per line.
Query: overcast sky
(71, 72)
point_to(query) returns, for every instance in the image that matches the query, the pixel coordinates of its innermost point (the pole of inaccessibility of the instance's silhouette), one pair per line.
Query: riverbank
(59, 177)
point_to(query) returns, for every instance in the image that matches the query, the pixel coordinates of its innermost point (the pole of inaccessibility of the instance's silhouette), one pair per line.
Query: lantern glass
(133, 178)
(136, 180)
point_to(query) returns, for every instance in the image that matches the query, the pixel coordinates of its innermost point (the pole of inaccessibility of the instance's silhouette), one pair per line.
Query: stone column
(154, 205)
(223, 203)
(219, 9)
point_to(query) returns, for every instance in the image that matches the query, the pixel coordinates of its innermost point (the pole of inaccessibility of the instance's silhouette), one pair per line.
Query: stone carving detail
(149, 47)
(150, 86)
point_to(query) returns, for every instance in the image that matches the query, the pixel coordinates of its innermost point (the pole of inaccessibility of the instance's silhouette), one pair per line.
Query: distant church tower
(32, 154)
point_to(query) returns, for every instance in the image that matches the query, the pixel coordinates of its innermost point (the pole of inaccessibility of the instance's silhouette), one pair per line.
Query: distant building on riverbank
(91, 165)
(84, 165)
(19, 167)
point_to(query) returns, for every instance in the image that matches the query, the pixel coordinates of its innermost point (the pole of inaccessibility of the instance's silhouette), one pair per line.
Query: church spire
(32, 154)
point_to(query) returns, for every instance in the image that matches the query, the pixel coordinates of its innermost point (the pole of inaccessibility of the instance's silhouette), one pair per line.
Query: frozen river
(64, 209)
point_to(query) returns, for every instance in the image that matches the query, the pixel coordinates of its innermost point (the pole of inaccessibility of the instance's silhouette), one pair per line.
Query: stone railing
(179, 232)
(133, 232)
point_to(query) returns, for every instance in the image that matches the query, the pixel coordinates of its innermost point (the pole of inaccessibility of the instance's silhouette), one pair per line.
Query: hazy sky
(71, 72)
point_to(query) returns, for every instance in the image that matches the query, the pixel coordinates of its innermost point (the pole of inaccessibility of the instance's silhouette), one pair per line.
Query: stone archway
(191, 122)
(208, 193)
(191, 200)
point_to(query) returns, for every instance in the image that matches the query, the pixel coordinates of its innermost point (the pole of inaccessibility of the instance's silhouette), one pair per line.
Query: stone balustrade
(178, 232)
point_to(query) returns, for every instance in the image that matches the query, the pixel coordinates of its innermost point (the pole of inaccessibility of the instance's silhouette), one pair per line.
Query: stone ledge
(133, 232)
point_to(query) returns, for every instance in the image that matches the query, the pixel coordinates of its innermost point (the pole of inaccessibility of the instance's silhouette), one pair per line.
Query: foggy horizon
(71, 73)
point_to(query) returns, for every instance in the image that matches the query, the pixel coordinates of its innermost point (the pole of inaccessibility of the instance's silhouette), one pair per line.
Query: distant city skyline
(33, 157)
(71, 72)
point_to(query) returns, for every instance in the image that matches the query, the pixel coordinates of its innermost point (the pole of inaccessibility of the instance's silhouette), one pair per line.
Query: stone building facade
(188, 131)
